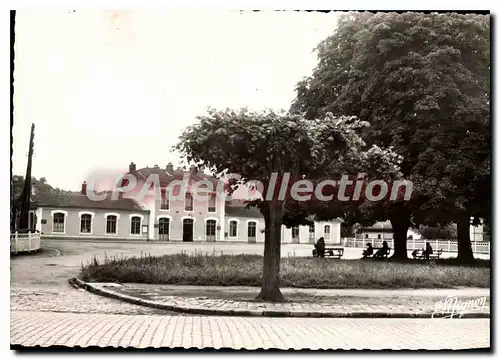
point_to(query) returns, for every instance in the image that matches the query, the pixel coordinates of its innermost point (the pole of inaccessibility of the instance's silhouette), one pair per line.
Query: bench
(330, 251)
(386, 255)
(420, 256)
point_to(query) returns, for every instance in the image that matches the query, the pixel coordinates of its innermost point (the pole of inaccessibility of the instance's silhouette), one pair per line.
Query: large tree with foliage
(422, 82)
(257, 145)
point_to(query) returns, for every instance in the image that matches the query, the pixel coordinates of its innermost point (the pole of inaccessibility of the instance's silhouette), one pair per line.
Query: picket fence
(478, 247)
(24, 242)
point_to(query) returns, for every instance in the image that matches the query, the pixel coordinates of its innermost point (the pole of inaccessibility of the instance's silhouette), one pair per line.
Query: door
(210, 230)
(252, 231)
(164, 229)
(187, 230)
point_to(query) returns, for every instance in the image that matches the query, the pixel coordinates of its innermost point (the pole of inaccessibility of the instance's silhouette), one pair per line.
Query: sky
(106, 88)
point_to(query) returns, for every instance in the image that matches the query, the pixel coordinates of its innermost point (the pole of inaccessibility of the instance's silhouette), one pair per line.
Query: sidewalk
(239, 301)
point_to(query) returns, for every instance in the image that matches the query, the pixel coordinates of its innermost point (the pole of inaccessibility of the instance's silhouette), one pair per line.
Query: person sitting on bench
(428, 251)
(368, 251)
(384, 251)
(414, 253)
(320, 247)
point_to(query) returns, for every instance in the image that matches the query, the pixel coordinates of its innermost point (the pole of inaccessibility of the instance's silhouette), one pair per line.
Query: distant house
(126, 217)
(383, 230)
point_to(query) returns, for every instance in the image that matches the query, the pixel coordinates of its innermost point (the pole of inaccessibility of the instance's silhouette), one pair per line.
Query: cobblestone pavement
(141, 331)
(69, 300)
(231, 301)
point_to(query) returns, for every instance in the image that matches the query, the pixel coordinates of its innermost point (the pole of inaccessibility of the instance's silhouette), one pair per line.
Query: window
(366, 236)
(211, 203)
(86, 224)
(311, 232)
(165, 204)
(58, 223)
(379, 236)
(210, 229)
(233, 228)
(135, 225)
(111, 224)
(295, 232)
(327, 231)
(252, 229)
(188, 202)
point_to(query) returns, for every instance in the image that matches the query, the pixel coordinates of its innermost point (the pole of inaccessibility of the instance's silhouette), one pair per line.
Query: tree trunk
(465, 254)
(270, 290)
(400, 221)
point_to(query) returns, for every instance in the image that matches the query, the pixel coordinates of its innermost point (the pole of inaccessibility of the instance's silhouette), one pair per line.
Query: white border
(167, 192)
(205, 227)
(106, 224)
(329, 233)
(229, 228)
(130, 224)
(52, 221)
(169, 224)
(92, 217)
(208, 204)
(192, 197)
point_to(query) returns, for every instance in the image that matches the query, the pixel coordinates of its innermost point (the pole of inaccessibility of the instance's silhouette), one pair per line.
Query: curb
(77, 283)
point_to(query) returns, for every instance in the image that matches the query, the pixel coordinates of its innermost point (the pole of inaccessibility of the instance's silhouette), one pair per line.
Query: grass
(296, 272)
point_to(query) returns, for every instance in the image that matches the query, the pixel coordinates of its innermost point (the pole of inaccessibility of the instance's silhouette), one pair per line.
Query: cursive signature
(453, 307)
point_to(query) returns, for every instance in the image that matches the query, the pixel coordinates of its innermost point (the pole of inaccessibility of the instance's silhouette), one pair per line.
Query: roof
(167, 177)
(386, 225)
(83, 202)
(242, 211)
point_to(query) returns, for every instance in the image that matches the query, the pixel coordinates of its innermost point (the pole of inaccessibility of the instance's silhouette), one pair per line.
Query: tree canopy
(257, 145)
(422, 82)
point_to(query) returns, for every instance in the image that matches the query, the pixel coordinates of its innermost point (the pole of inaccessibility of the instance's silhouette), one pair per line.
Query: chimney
(84, 188)
(131, 167)
(170, 168)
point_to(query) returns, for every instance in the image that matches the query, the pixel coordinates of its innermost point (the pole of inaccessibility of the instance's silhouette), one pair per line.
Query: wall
(242, 229)
(176, 213)
(98, 225)
(286, 234)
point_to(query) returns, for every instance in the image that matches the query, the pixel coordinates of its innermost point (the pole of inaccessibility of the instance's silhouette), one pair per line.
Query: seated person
(384, 251)
(428, 251)
(368, 251)
(320, 247)
(414, 253)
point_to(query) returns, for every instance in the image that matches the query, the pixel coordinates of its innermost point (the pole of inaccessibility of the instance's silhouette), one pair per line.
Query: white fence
(24, 242)
(478, 247)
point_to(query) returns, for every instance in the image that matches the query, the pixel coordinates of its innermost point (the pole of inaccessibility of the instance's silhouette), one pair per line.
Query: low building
(123, 216)
(383, 231)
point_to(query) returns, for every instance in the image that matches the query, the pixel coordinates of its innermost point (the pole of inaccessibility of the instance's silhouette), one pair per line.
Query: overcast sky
(108, 88)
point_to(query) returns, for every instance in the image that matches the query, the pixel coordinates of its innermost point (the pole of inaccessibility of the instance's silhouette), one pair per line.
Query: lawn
(296, 272)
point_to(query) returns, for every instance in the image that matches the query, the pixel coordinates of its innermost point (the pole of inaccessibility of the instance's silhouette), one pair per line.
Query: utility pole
(26, 195)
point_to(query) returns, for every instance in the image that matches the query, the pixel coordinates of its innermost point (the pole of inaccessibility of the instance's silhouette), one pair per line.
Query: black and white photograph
(225, 180)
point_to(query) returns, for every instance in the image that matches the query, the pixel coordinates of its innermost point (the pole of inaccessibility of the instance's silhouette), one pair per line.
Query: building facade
(172, 216)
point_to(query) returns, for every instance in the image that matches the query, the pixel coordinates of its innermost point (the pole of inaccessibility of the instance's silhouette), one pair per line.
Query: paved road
(45, 310)
(47, 328)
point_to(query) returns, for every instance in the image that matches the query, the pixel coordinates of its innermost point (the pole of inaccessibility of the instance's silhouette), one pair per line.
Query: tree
(448, 232)
(422, 82)
(264, 147)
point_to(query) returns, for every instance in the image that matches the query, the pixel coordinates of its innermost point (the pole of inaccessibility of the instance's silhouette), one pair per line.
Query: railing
(478, 247)
(24, 242)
